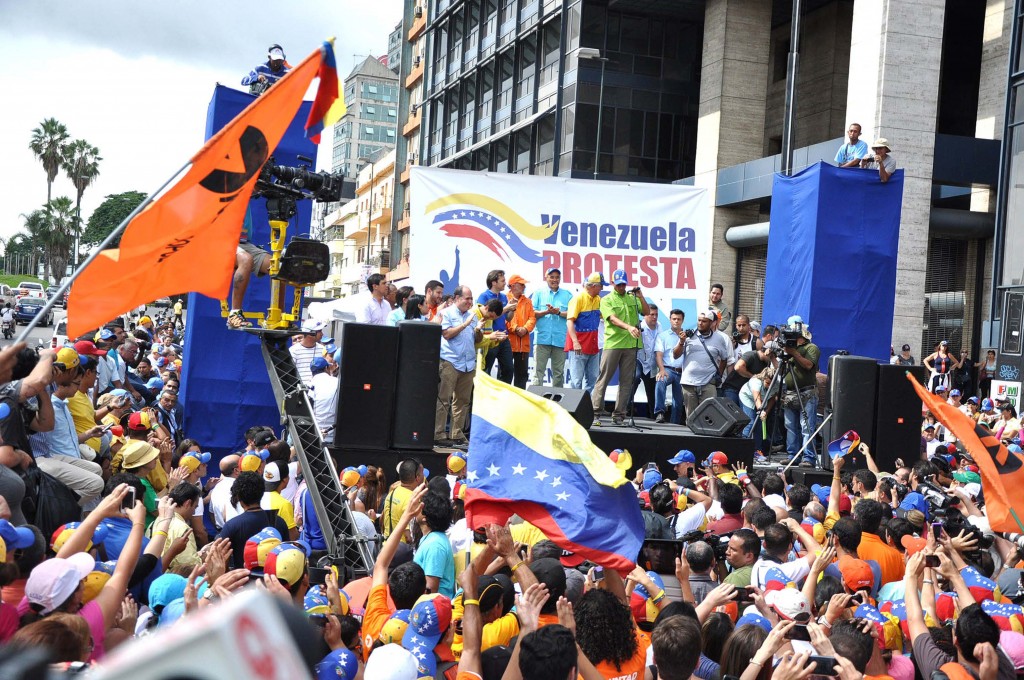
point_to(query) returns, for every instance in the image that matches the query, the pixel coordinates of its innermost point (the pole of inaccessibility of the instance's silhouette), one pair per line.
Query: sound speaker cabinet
(366, 398)
(717, 417)
(897, 416)
(416, 385)
(576, 402)
(853, 387)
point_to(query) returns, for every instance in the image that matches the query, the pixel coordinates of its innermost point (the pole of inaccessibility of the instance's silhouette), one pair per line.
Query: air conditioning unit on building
(415, 108)
(416, 62)
(412, 159)
(419, 12)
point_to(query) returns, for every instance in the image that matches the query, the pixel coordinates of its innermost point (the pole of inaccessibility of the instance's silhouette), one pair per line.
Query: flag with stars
(529, 457)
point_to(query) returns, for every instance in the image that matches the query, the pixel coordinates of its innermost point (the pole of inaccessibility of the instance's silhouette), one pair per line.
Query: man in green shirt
(621, 312)
(743, 550)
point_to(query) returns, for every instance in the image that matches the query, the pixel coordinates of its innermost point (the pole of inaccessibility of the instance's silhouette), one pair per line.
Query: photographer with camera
(263, 76)
(800, 391)
(706, 357)
(749, 359)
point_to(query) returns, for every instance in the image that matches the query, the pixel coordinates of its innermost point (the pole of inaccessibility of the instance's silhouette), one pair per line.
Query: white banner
(1008, 390)
(465, 224)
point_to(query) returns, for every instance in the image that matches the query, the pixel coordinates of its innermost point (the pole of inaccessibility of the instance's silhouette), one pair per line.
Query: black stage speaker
(852, 388)
(366, 397)
(416, 385)
(305, 261)
(809, 477)
(576, 402)
(717, 417)
(897, 416)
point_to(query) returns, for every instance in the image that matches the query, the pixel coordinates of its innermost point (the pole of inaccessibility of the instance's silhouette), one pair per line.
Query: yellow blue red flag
(326, 109)
(529, 457)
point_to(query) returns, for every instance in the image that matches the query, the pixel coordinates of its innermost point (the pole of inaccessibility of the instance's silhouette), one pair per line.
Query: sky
(134, 79)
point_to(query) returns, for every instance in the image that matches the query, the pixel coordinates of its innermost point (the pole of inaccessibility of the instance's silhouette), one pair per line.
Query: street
(44, 333)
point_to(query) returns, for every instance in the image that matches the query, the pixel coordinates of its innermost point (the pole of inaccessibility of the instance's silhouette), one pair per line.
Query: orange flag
(1002, 472)
(186, 239)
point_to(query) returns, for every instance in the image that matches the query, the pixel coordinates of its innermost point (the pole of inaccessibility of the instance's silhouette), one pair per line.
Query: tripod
(630, 407)
(785, 369)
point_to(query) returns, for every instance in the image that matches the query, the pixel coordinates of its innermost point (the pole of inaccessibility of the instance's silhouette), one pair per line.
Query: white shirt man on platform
(458, 363)
(324, 389)
(377, 307)
(220, 497)
(307, 348)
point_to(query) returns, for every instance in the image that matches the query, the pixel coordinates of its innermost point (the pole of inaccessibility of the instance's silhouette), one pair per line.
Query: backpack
(656, 526)
(48, 503)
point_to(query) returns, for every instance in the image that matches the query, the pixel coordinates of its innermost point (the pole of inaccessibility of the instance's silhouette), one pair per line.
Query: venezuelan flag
(1002, 471)
(527, 456)
(329, 104)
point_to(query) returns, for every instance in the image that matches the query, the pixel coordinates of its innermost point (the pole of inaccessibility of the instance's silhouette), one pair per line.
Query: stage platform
(656, 443)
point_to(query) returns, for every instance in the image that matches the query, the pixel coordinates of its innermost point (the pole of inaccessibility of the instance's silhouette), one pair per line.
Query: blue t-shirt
(847, 152)
(485, 297)
(435, 555)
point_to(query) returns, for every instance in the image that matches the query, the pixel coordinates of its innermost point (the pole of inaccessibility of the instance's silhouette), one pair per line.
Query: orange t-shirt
(888, 558)
(375, 616)
(633, 668)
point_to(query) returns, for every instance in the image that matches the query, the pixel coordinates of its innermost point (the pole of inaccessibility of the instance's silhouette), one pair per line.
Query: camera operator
(265, 75)
(748, 364)
(706, 357)
(801, 388)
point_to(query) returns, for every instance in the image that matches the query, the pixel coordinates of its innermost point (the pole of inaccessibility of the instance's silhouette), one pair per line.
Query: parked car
(28, 307)
(31, 288)
(162, 302)
(60, 335)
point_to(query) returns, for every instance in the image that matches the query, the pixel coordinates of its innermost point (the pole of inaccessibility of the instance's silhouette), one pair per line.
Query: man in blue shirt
(458, 362)
(503, 350)
(669, 368)
(646, 367)
(265, 75)
(849, 155)
(550, 306)
(57, 451)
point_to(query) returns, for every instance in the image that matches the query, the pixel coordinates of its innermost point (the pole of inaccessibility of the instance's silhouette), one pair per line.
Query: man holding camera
(800, 396)
(706, 357)
(748, 359)
(621, 311)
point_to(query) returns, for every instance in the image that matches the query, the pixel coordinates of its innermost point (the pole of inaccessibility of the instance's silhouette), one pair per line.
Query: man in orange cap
(520, 325)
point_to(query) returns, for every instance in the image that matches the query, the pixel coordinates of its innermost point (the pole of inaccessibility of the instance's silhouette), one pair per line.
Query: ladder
(344, 544)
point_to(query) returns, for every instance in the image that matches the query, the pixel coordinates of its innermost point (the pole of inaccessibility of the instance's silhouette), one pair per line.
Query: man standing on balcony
(377, 307)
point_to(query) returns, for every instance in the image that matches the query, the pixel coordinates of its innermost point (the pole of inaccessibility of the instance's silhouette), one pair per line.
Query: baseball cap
(716, 458)
(842, 446)
(456, 463)
(967, 477)
(137, 453)
(258, 547)
(287, 562)
(986, 404)
(619, 276)
(929, 426)
(490, 590)
(193, 460)
(755, 326)
(595, 277)
(145, 319)
(753, 619)
(391, 662)
(651, 477)
(913, 501)
(940, 388)
(96, 579)
(430, 618)
(349, 477)
(52, 582)
(140, 421)
(972, 400)
(549, 571)
(24, 537)
(790, 604)
(395, 627)
(66, 359)
(683, 456)
(272, 472)
(317, 365)
(913, 544)
(263, 438)
(516, 278)
(857, 574)
(16, 538)
(955, 393)
(341, 664)
(166, 588)
(315, 602)
(250, 462)
(312, 326)
(943, 342)
(622, 458)
(707, 314)
(552, 269)
(155, 383)
(1012, 643)
(276, 53)
(89, 349)
(104, 334)
(905, 348)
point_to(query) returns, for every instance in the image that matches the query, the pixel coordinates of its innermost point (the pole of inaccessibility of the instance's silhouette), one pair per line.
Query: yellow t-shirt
(394, 506)
(84, 416)
(485, 327)
(177, 308)
(285, 510)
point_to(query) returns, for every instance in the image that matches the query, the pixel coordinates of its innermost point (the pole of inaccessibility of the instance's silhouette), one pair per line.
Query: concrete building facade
(370, 124)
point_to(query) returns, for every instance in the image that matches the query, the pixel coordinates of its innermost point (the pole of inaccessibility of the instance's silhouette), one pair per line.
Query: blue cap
(683, 456)
(155, 383)
(822, 492)
(755, 620)
(172, 612)
(553, 269)
(914, 501)
(341, 664)
(955, 393)
(318, 364)
(166, 588)
(619, 276)
(842, 446)
(105, 334)
(986, 404)
(331, 348)
(326, 341)
(651, 477)
(16, 537)
(119, 392)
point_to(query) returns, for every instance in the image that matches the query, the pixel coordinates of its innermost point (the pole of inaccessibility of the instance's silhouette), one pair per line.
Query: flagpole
(23, 336)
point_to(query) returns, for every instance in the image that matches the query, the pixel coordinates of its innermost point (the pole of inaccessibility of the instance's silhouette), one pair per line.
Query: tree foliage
(48, 143)
(108, 215)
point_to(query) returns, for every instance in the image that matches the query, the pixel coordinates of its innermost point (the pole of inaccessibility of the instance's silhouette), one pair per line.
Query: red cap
(845, 505)
(89, 349)
(719, 458)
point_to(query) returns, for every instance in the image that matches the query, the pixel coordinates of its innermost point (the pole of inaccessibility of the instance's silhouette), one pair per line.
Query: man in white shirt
(307, 348)
(778, 544)
(220, 497)
(377, 307)
(324, 389)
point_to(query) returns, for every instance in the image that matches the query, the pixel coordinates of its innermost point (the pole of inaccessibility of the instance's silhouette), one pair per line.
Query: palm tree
(37, 226)
(60, 236)
(48, 141)
(81, 164)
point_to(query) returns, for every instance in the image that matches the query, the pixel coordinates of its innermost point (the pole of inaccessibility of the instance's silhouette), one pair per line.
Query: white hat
(881, 142)
(391, 662)
(276, 53)
(312, 326)
(272, 472)
(52, 582)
